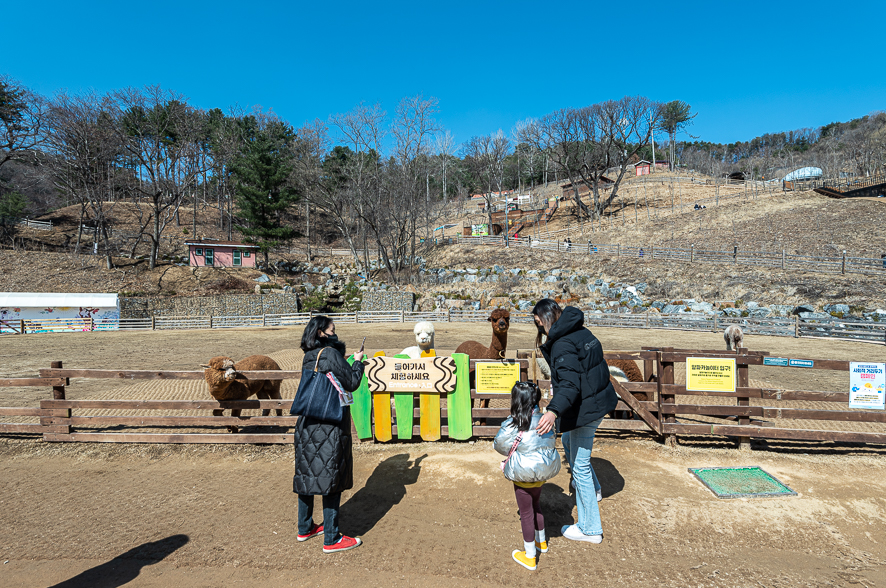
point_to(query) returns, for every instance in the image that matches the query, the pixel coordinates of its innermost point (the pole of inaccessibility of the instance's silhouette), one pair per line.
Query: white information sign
(867, 385)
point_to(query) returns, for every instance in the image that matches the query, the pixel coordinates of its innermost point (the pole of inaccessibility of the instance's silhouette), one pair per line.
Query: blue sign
(782, 361)
(807, 363)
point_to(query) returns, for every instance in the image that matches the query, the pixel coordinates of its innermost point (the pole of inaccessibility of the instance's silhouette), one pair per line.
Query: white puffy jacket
(536, 458)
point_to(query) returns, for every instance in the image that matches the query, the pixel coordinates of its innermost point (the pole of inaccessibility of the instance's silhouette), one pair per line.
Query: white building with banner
(42, 312)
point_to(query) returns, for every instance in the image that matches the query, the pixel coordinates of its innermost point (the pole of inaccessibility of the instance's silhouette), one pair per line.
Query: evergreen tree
(264, 189)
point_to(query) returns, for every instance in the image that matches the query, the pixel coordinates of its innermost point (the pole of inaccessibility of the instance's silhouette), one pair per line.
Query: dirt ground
(146, 515)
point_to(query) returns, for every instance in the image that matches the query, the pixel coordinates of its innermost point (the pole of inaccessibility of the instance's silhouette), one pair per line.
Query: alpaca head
(501, 320)
(618, 374)
(424, 335)
(222, 364)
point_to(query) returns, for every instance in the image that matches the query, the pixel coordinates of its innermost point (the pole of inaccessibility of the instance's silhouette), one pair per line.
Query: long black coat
(324, 463)
(579, 373)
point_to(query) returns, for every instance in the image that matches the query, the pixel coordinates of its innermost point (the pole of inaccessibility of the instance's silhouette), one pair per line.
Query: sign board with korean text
(706, 374)
(428, 374)
(867, 385)
(496, 377)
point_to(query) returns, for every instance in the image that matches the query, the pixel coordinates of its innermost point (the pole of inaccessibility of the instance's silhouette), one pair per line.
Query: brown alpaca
(624, 370)
(501, 321)
(226, 383)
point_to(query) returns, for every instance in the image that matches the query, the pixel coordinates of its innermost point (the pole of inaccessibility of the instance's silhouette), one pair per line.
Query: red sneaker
(343, 544)
(315, 530)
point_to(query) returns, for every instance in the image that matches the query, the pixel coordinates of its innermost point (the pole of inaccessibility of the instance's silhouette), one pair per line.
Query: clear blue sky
(745, 68)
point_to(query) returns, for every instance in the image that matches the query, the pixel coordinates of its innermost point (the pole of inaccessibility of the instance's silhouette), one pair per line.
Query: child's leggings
(531, 518)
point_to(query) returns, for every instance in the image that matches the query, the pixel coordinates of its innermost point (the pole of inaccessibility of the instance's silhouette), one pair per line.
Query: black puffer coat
(324, 463)
(579, 374)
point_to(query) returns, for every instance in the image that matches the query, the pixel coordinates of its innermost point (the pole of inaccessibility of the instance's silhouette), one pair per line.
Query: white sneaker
(599, 495)
(574, 533)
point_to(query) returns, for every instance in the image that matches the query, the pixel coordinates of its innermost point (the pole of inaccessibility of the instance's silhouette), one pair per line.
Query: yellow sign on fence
(497, 377)
(710, 375)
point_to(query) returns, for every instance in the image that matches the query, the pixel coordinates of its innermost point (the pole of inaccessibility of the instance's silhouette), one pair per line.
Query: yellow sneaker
(542, 546)
(526, 562)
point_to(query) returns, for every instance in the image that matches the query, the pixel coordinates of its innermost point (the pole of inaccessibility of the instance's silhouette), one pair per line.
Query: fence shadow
(384, 489)
(127, 566)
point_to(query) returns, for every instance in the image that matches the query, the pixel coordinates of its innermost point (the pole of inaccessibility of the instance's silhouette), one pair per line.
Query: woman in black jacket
(324, 463)
(583, 395)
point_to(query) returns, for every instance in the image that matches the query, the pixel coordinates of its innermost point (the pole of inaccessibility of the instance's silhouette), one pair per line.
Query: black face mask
(332, 341)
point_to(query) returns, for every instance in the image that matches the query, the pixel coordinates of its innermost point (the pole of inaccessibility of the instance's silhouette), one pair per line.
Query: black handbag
(316, 397)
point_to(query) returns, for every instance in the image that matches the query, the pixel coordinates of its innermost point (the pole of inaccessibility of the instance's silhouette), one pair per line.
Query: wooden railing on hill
(782, 260)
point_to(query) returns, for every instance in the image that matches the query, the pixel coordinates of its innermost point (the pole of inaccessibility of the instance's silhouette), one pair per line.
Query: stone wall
(229, 305)
(384, 300)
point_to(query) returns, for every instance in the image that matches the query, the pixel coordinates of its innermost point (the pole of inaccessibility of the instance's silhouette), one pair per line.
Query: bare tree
(22, 115)
(160, 134)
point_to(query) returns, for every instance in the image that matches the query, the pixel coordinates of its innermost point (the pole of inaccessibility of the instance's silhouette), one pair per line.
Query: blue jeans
(330, 516)
(566, 451)
(578, 444)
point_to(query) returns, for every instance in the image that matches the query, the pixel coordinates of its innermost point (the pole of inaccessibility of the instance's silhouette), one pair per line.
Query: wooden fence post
(666, 376)
(449, 315)
(618, 250)
(58, 392)
(735, 254)
(210, 321)
(796, 325)
(22, 327)
(843, 269)
(783, 253)
(692, 253)
(402, 318)
(153, 325)
(264, 320)
(744, 443)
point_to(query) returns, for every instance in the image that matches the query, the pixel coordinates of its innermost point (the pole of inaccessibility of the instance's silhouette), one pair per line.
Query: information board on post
(707, 374)
(496, 377)
(867, 385)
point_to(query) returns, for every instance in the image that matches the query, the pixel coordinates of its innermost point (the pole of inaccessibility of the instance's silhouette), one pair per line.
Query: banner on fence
(428, 374)
(497, 377)
(481, 230)
(867, 385)
(705, 374)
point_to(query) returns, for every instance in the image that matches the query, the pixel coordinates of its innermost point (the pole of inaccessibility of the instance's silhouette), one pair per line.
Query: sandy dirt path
(430, 515)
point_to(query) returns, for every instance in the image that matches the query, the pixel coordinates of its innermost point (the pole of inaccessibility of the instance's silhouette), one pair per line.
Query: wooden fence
(658, 405)
(776, 326)
(832, 265)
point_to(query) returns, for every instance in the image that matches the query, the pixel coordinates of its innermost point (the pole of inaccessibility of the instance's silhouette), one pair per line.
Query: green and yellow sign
(705, 374)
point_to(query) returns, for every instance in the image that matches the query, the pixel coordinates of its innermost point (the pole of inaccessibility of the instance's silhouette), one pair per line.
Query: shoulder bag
(317, 398)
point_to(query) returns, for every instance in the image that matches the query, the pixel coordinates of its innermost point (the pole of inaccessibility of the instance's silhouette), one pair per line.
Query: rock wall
(230, 305)
(385, 300)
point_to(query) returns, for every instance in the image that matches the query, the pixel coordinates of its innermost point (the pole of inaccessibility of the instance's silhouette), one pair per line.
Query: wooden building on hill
(212, 253)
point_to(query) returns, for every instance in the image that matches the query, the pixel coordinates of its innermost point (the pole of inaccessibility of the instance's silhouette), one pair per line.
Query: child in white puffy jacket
(531, 460)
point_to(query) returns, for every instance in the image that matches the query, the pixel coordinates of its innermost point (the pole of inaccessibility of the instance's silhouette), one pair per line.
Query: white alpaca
(424, 336)
(734, 337)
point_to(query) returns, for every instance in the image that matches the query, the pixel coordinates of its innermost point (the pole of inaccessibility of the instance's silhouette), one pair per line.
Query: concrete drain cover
(741, 482)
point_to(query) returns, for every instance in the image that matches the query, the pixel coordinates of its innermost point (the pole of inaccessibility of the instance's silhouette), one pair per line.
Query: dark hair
(309, 339)
(524, 399)
(548, 311)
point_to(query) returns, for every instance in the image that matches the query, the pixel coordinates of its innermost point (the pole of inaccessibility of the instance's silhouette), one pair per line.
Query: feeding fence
(661, 405)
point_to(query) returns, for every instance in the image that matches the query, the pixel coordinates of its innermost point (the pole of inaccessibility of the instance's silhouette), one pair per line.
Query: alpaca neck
(499, 344)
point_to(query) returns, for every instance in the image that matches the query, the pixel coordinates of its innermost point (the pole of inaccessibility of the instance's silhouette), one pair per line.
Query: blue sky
(745, 68)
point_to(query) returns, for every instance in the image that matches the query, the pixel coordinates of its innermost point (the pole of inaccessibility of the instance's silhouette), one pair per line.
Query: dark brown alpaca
(501, 321)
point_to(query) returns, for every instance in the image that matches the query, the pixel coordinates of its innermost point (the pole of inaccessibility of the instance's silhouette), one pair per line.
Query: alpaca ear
(205, 366)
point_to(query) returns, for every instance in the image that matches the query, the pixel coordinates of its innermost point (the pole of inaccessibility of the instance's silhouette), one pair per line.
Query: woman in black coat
(583, 395)
(324, 464)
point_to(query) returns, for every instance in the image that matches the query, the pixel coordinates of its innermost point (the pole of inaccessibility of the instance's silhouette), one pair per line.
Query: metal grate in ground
(750, 482)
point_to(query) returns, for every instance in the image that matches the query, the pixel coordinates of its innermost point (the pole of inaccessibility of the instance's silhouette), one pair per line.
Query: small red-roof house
(643, 167)
(212, 253)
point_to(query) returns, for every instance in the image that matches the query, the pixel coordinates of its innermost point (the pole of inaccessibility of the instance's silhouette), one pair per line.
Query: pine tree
(264, 188)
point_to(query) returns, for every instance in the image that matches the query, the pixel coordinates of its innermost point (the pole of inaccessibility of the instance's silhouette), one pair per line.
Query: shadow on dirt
(385, 488)
(125, 567)
(557, 504)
